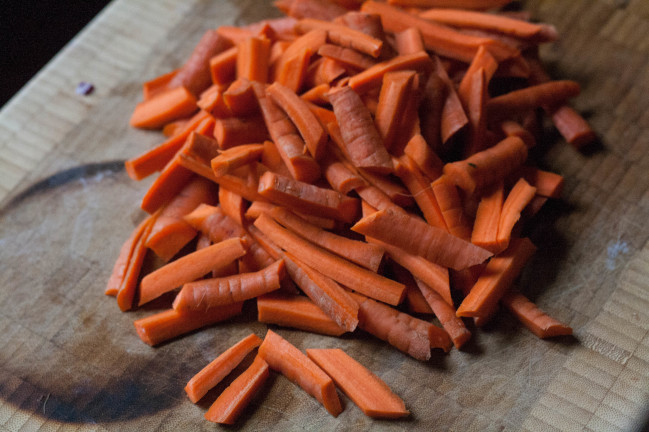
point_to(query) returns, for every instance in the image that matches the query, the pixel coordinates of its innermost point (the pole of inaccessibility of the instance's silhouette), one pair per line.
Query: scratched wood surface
(71, 361)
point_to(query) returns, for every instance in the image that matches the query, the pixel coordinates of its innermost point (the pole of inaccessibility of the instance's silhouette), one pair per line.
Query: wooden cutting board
(71, 361)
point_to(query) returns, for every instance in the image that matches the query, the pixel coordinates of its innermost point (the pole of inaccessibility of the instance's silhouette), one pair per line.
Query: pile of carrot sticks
(353, 166)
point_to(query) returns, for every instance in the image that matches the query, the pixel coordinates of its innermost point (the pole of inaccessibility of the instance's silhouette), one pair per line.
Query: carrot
(234, 34)
(306, 198)
(258, 207)
(361, 139)
(572, 126)
(170, 232)
(188, 268)
(229, 405)
(488, 166)
(424, 157)
(213, 102)
(462, 4)
(372, 77)
(537, 321)
(343, 36)
(419, 238)
(376, 198)
(232, 204)
(291, 67)
(156, 85)
(322, 9)
(316, 95)
(252, 59)
(169, 324)
(195, 73)
(433, 100)
(364, 23)
(285, 358)
(338, 269)
(346, 56)
(487, 218)
(298, 111)
(208, 293)
(234, 131)
(220, 367)
(496, 278)
(235, 157)
(272, 159)
(420, 189)
(512, 128)
(361, 253)
(223, 66)
(450, 204)
(476, 108)
(164, 107)
(197, 154)
(297, 312)
(483, 59)
(396, 93)
(244, 180)
(240, 98)
(519, 196)
(445, 312)
(175, 127)
(390, 186)
(547, 184)
(454, 117)
(369, 392)
(409, 41)
(339, 175)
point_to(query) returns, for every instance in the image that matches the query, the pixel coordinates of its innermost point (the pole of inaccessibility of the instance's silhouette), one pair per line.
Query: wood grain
(71, 361)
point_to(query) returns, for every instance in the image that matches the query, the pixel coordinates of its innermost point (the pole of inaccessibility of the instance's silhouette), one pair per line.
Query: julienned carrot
(156, 85)
(164, 107)
(408, 41)
(517, 199)
(340, 177)
(487, 167)
(547, 184)
(297, 312)
(361, 253)
(343, 36)
(189, 268)
(462, 4)
(213, 102)
(390, 186)
(450, 204)
(195, 73)
(537, 321)
(325, 10)
(244, 180)
(307, 198)
(304, 120)
(317, 95)
(292, 65)
(252, 58)
(476, 109)
(223, 66)
(422, 154)
(393, 124)
(258, 207)
(497, 277)
(220, 367)
(445, 312)
(369, 392)
(234, 131)
(236, 157)
(376, 198)
(169, 324)
(170, 232)
(513, 128)
(347, 56)
(433, 99)
(240, 98)
(208, 293)
(197, 154)
(482, 59)
(338, 269)
(272, 159)
(364, 23)
(232, 204)
(454, 117)
(487, 218)
(572, 126)
(419, 238)
(285, 358)
(371, 78)
(229, 405)
(362, 141)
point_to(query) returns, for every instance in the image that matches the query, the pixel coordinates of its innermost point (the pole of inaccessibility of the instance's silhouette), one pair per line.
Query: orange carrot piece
(361, 253)
(297, 312)
(175, 127)
(338, 269)
(324, 70)
(166, 186)
(497, 277)
(346, 56)
(156, 85)
(258, 207)
(252, 59)
(195, 73)
(285, 358)
(433, 99)
(519, 196)
(322, 9)
(452, 209)
(223, 66)
(424, 157)
(512, 128)
(445, 312)
(572, 126)
(291, 67)
(304, 120)
(415, 301)
(409, 41)
(485, 226)
(170, 232)
(307, 198)
(361, 138)
(396, 93)
(438, 38)
(369, 392)
(390, 186)
(213, 102)
(234, 34)
(168, 324)
(476, 109)
(203, 241)
(419, 238)
(234, 399)
(240, 98)
(235, 157)
(164, 107)
(364, 23)
(482, 59)
(208, 293)
(234, 131)
(460, 4)
(488, 166)
(537, 321)
(343, 36)
(244, 181)
(189, 268)
(371, 78)
(317, 95)
(454, 117)
(197, 154)
(232, 204)
(339, 175)
(375, 197)
(272, 159)
(220, 367)
(547, 184)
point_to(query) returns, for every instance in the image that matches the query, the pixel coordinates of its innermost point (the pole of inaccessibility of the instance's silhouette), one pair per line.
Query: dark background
(32, 32)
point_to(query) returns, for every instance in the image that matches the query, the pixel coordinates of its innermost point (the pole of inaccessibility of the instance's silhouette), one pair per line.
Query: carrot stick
(291, 67)
(343, 36)
(419, 238)
(197, 154)
(519, 196)
(424, 157)
(487, 218)
(252, 59)
(476, 108)
(240, 98)
(339, 175)
(454, 117)
(317, 95)
(189, 267)
(572, 126)
(512, 128)
(306, 198)
(156, 85)
(450, 204)
(375, 197)
(322, 9)
(208, 293)
(235, 157)
(272, 159)
(371, 78)
(396, 93)
(258, 207)
(304, 120)
(445, 312)
(195, 73)
(537, 321)
(369, 392)
(433, 100)
(213, 102)
(364, 23)
(346, 56)
(482, 59)
(547, 184)
(220, 367)
(244, 181)
(460, 4)
(496, 278)
(488, 166)
(234, 399)
(232, 204)
(166, 186)
(408, 41)
(338, 269)
(234, 131)
(164, 107)
(362, 141)
(168, 324)
(285, 358)
(170, 232)
(223, 66)
(361, 253)
(297, 312)
(234, 34)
